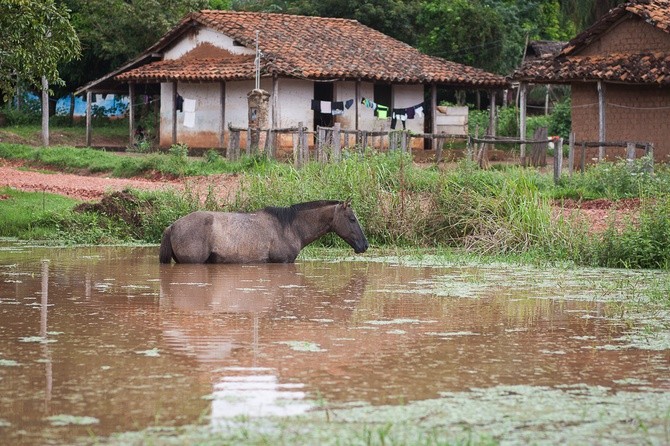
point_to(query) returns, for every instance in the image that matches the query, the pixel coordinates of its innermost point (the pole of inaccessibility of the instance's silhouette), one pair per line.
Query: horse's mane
(286, 215)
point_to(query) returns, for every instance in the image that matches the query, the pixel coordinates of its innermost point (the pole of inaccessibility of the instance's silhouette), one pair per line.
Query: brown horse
(272, 234)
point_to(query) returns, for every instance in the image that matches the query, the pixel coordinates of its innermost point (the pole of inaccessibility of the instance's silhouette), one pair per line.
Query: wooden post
(233, 152)
(571, 153)
(364, 140)
(492, 114)
(297, 146)
(89, 99)
(630, 153)
(404, 141)
(275, 102)
(433, 110)
(583, 157)
(174, 112)
(45, 112)
(558, 160)
(131, 113)
(222, 100)
(649, 151)
(304, 147)
(270, 147)
(337, 145)
(601, 120)
(469, 149)
(357, 101)
(523, 98)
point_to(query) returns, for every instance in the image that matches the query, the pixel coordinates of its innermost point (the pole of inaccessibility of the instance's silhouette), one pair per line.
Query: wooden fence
(330, 141)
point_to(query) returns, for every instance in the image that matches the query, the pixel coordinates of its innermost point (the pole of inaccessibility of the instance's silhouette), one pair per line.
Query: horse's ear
(347, 202)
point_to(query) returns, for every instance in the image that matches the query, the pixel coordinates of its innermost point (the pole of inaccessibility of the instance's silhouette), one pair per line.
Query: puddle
(97, 341)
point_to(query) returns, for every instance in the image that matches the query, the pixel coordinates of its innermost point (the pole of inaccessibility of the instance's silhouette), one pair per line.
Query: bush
(560, 120)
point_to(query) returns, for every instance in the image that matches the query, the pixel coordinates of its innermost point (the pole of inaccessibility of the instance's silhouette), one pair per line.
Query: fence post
(404, 141)
(558, 160)
(364, 140)
(583, 157)
(298, 149)
(270, 146)
(630, 153)
(337, 143)
(469, 149)
(303, 142)
(571, 153)
(649, 151)
(233, 145)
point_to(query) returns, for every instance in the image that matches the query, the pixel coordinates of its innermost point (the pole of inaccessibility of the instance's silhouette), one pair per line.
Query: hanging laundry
(337, 108)
(326, 107)
(411, 112)
(348, 104)
(382, 111)
(419, 111)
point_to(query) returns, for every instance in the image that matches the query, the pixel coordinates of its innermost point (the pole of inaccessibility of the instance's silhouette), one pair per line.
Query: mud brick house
(619, 74)
(318, 71)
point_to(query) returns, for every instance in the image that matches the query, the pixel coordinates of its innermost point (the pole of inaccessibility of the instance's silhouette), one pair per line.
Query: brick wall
(633, 113)
(630, 36)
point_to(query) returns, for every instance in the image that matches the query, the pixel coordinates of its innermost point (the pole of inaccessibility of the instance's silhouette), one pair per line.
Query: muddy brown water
(101, 340)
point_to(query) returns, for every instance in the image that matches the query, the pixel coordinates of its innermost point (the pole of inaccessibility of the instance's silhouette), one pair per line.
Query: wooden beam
(492, 113)
(174, 112)
(222, 138)
(131, 112)
(523, 99)
(433, 111)
(45, 112)
(275, 102)
(89, 100)
(357, 100)
(601, 120)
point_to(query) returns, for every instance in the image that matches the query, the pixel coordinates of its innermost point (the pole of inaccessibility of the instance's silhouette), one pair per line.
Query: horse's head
(345, 224)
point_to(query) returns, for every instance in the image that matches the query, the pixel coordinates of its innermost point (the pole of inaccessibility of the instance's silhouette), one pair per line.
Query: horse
(269, 235)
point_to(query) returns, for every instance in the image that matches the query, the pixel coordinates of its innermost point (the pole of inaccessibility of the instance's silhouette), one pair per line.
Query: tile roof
(637, 68)
(654, 12)
(645, 68)
(315, 48)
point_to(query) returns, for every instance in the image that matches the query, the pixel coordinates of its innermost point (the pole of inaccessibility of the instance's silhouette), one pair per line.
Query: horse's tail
(165, 254)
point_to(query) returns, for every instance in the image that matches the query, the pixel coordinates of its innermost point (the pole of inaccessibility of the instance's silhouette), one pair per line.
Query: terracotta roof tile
(314, 48)
(636, 68)
(654, 12)
(646, 68)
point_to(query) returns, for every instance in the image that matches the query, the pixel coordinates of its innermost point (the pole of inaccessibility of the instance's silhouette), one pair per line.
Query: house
(619, 73)
(318, 71)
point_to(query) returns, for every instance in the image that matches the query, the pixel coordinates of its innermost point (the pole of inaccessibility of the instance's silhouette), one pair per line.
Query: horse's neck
(313, 223)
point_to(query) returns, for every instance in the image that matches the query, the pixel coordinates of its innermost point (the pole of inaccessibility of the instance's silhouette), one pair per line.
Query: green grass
(482, 212)
(26, 214)
(70, 159)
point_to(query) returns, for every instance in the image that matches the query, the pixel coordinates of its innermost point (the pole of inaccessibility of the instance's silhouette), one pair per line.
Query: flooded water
(101, 340)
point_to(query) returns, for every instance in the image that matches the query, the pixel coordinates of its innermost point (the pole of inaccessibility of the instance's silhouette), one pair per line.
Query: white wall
(204, 130)
(205, 35)
(294, 103)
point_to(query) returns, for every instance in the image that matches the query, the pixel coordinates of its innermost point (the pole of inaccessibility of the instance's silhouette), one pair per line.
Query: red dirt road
(94, 187)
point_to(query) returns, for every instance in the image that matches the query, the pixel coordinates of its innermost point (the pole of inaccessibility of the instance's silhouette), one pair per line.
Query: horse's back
(221, 237)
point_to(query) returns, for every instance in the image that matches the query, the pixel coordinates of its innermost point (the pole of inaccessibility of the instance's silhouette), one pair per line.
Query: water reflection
(136, 344)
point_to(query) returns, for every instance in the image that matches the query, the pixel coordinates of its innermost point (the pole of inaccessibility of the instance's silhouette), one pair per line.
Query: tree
(468, 32)
(35, 36)
(396, 18)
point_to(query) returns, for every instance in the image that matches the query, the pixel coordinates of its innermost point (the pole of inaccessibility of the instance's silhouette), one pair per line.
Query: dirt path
(94, 187)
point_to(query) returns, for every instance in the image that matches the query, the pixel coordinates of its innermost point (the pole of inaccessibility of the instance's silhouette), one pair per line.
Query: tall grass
(493, 212)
